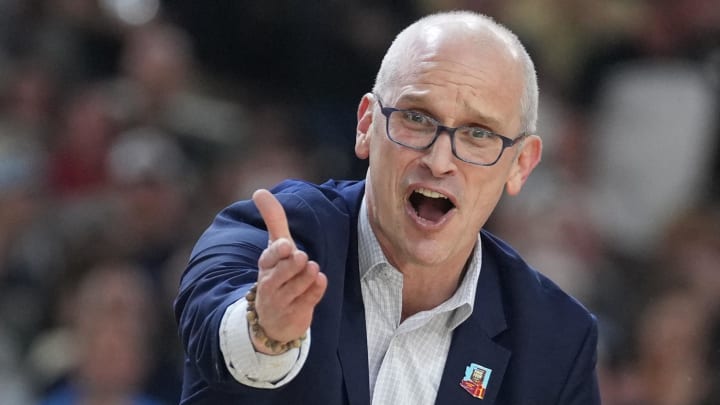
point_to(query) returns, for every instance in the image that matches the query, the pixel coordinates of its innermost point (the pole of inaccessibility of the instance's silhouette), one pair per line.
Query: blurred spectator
(151, 181)
(688, 255)
(80, 145)
(661, 321)
(652, 102)
(278, 154)
(110, 318)
(673, 343)
(151, 221)
(159, 87)
(28, 102)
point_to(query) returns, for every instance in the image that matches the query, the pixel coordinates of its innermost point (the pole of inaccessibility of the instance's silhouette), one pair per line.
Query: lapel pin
(476, 380)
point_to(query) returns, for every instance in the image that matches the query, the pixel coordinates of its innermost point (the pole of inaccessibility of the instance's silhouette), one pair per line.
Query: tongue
(431, 209)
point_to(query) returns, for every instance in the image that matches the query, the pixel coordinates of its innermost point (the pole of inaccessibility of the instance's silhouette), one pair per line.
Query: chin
(428, 253)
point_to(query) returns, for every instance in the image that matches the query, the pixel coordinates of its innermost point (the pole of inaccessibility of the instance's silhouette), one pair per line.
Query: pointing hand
(289, 284)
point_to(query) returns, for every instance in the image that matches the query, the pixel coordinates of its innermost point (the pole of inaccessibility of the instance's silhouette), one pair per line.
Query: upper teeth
(430, 193)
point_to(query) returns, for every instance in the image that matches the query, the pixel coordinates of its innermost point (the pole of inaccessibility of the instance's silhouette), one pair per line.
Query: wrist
(260, 340)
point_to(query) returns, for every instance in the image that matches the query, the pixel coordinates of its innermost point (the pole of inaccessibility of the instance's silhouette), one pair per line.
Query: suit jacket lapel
(471, 345)
(473, 342)
(352, 347)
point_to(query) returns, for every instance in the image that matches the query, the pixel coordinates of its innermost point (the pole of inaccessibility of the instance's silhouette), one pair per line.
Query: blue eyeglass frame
(506, 142)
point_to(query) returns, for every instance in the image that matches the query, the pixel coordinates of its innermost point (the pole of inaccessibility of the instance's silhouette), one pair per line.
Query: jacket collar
(473, 341)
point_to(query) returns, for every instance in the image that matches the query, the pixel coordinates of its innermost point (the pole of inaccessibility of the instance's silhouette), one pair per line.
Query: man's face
(426, 207)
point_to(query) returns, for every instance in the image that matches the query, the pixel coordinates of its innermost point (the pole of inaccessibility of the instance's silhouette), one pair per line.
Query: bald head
(459, 32)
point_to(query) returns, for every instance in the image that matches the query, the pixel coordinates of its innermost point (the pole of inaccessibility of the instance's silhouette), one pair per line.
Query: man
(402, 297)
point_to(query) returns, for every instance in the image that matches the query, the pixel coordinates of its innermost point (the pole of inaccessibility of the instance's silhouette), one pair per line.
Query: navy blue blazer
(539, 343)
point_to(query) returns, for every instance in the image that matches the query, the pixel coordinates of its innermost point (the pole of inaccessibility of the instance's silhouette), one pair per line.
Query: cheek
(484, 197)
(387, 166)
(384, 186)
(385, 162)
(478, 214)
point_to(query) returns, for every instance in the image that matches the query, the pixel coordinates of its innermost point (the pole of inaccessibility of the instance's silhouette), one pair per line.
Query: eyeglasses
(474, 145)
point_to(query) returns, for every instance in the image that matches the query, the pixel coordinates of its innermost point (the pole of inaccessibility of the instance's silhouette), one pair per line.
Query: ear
(526, 160)
(364, 117)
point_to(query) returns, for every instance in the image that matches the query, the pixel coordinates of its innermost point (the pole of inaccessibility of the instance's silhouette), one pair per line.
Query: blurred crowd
(126, 125)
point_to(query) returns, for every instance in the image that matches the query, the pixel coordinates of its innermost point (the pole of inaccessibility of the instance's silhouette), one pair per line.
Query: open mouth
(430, 205)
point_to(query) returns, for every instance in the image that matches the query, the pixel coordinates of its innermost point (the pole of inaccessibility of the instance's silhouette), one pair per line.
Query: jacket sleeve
(223, 267)
(214, 280)
(581, 387)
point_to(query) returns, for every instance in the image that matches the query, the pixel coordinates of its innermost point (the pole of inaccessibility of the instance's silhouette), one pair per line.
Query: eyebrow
(478, 117)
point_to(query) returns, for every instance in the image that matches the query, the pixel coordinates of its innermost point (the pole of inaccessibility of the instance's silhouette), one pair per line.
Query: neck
(425, 289)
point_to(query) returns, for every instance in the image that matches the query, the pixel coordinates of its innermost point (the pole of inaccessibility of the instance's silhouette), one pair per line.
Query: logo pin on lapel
(476, 380)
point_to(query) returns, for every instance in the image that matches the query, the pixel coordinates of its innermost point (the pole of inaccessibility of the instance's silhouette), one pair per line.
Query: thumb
(272, 214)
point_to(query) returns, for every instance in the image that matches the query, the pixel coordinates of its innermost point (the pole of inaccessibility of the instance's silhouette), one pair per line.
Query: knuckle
(286, 267)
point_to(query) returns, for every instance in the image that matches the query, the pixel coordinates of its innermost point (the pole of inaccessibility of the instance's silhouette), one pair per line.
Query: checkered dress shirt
(406, 359)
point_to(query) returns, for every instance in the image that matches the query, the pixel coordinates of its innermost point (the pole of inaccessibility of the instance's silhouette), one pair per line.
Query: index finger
(273, 214)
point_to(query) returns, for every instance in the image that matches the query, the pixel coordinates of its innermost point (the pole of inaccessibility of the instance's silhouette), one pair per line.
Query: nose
(439, 158)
